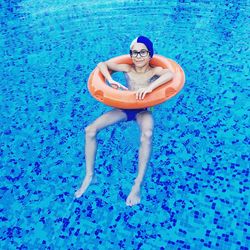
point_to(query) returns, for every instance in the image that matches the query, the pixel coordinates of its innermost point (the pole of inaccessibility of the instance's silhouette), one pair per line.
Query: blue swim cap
(146, 42)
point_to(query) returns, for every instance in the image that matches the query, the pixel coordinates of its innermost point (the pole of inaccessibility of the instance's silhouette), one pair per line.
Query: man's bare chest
(139, 79)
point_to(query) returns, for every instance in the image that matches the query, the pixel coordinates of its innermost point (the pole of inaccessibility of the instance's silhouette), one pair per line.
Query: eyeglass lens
(142, 53)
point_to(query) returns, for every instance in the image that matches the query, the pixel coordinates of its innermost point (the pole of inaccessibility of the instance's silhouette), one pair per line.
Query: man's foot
(134, 196)
(88, 180)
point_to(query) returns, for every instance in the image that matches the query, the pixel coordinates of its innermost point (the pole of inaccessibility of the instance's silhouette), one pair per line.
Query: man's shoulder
(130, 68)
(160, 70)
(157, 69)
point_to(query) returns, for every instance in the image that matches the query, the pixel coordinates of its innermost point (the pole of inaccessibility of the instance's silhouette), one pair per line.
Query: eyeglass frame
(138, 52)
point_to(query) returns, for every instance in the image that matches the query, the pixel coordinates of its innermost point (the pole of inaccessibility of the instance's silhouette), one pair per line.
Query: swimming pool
(196, 191)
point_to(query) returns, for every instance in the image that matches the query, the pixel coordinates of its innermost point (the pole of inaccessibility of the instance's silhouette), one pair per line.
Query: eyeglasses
(143, 53)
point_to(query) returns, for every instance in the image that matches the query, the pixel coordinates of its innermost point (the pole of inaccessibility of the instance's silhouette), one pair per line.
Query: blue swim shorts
(131, 113)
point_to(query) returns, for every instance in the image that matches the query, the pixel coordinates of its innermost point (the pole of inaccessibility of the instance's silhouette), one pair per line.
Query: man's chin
(140, 64)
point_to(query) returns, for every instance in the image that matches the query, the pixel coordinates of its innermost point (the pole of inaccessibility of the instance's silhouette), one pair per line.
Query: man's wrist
(110, 79)
(150, 89)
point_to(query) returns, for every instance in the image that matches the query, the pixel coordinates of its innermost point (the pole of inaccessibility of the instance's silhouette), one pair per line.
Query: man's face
(140, 61)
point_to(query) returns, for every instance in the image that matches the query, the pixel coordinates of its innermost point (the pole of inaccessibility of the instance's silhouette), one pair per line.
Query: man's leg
(109, 118)
(146, 123)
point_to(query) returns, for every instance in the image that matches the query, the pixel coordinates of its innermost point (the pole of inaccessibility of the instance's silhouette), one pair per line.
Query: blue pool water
(196, 189)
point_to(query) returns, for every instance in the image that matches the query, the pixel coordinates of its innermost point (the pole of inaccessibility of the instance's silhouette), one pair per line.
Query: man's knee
(146, 135)
(90, 131)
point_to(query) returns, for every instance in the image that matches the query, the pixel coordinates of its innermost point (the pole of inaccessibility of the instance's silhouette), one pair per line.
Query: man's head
(141, 50)
(144, 40)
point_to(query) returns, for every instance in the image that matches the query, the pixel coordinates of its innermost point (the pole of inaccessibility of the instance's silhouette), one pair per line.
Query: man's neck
(143, 69)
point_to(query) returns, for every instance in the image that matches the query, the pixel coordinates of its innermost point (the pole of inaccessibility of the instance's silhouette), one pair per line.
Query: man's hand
(117, 85)
(140, 94)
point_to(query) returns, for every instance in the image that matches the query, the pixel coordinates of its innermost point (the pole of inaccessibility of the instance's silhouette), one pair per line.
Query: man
(140, 78)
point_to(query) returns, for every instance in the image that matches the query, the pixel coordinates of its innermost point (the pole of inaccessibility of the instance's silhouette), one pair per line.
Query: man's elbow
(100, 64)
(170, 75)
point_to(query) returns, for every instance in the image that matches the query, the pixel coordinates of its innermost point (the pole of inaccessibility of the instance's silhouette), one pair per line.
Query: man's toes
(78, 194)
(133, 202)
(128, 202)
(137, 201)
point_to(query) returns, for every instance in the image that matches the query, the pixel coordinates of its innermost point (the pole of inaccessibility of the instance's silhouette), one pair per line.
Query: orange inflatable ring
(126, 99)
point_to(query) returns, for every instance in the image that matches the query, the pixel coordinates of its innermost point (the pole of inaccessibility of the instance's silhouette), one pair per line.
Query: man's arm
(165, 76)
(104, 66)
